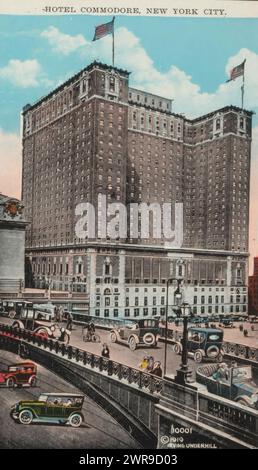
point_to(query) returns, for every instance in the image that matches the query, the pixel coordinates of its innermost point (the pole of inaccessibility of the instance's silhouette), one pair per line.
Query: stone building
(12, 245)
(253, 289)
(94, 135)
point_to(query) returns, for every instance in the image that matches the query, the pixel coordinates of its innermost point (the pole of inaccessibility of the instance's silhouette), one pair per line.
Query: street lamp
(184, 373)
(177, 297)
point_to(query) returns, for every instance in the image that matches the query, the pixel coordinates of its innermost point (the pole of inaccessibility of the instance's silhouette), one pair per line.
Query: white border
(206, 8)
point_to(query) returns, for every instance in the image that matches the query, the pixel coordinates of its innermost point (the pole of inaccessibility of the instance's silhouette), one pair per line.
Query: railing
(142, 380)
(216, 412)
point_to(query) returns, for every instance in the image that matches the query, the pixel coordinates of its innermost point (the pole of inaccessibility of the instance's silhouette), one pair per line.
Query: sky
(186, 59)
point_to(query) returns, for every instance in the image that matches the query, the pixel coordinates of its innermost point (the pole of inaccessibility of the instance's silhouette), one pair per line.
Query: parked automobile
(24, 373)
(13, 308)
(227, 323)
(203, 343)
(30, 320)
(143, 332)
(234, 382)
(60, 408)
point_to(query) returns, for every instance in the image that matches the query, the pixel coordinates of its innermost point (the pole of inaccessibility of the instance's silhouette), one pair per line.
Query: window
(127, 312)
(106, 312)
(154, 311)
(107, 301)
(97, 313)
(115, 312)
(136, 312)
(145, 312)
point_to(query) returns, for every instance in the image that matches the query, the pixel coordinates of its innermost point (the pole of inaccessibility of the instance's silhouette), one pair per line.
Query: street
(121, 353)
(99, 430)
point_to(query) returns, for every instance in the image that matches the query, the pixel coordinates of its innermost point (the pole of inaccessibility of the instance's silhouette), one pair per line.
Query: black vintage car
(144, 332)
(203, 343)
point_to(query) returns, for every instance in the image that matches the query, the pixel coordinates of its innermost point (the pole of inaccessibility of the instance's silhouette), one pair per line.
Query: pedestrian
(150, 365)
(61, 313)
(157, 370)
(69, 325)
(55, 314)
(245, 332)
(105, 351)
(241, 327)
(145, 362)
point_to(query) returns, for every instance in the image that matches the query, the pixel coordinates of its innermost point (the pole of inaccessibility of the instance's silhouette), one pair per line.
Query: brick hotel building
(95, 134)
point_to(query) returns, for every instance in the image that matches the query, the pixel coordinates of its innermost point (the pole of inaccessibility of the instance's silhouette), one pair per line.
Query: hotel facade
(95, 135)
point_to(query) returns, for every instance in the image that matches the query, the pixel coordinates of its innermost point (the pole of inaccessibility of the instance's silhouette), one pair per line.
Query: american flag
(237, 71)
(103, 30)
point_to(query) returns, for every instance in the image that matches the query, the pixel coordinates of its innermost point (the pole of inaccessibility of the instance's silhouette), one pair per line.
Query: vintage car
(232, 382)
(203, 343)
(60, 408)
(227, 323)
(144, 332)
(24, 373)
(13, 308)
(29, 320)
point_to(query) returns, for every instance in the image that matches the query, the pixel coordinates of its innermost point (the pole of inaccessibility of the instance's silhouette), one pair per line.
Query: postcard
(128, 228)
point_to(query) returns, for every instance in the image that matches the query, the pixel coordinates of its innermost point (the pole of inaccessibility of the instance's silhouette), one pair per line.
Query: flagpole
(113, 43)
(243, 90)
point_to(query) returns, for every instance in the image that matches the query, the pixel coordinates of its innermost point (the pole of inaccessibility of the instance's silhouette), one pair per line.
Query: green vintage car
(60, 408)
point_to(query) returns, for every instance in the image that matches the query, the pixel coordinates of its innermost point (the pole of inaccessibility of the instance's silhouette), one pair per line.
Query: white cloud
(10, 164)
(63, 43)
(173, 83)
(176, 83)
(27, 73)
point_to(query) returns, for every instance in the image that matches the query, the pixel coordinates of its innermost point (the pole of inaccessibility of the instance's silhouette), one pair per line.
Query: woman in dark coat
(105, 351)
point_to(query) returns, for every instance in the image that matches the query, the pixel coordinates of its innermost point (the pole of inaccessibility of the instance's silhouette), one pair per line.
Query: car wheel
(33, 381)
(198, 356)
(75, 420)
(12, 314)
(213, 352)
(177, 348)
(132, 343)
(25, 417)
(149, 339)
(17, 324)
(113, 337)
(10, 383)
(96, 338)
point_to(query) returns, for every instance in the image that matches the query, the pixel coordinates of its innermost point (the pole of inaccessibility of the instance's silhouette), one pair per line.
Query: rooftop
(89, 67)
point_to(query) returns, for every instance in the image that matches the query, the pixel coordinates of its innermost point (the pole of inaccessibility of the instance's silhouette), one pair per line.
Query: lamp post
(177, 295)
(184, 373)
